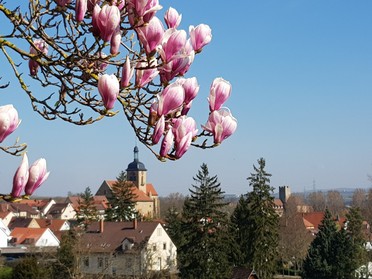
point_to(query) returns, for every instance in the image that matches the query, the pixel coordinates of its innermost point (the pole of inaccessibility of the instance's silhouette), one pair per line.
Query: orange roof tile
(140, 196)
(52, 224)
(30, 233)
(150, 189)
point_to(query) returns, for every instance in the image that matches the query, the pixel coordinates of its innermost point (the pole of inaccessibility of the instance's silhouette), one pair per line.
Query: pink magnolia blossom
(43, 48)
(158, 130)
(119, 3)
(173, 68)
(170, 99)
(8, 121)
(191, 87)
(127, 73)
(166, 143)
(81, 8)
(186, 108)
(200, 36)
(108, 87)
(37, 175)
(221, 124)
(20, 178)
(220, 91)
(143, 75)
(173, 42)
(151, 34)
(190, 53)
(184, 130)
(172, 18)
(108, 21)
(95, 15)
(142, 11)
(115, 42)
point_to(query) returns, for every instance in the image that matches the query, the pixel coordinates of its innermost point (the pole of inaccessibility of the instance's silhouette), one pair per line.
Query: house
(312, 220)
(278, 206)
(35, 237)
(243, 273)
(100, 203)
(63, 211)
(20, 222)
(4, 235)
(57, 226)
(147, 201)
(19, 210)
(6, 217)
(41, 205)
(127, 249)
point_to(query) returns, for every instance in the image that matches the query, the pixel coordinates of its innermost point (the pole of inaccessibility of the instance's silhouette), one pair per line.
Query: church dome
(136, 165)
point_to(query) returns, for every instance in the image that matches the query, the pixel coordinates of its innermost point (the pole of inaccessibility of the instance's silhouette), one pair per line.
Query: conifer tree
(86, 212)
(332, 253)
(122, 204)
(173, 226)
(205, 251)
(255, 225)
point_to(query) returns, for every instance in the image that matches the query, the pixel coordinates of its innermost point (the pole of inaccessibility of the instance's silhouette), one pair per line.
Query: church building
(147, 201)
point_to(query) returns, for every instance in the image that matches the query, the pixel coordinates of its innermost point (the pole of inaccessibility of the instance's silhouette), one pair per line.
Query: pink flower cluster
(28, 179)
(168, 53)
(25, 179)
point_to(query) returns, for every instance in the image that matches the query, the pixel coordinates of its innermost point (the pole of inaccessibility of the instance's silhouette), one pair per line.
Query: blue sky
(301, 73)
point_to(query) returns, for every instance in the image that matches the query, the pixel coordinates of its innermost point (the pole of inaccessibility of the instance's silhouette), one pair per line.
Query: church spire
(135, 151)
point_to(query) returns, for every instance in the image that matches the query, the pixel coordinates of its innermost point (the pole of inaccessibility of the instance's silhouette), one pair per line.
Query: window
(154, 247)
(106, 262)
(86, 261)
(164, 246)
(99, 262)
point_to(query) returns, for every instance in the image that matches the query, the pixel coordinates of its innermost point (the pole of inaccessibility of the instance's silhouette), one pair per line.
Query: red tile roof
(140, 196)
(21, 234)
(53, 224)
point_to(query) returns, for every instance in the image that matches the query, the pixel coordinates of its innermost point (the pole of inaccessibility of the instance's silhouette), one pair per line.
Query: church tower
(136, 172)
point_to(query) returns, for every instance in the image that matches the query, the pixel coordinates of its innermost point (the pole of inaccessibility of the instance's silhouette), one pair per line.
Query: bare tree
(359, 197)
(173, 200)
(317, 201)
(294, 239)
(335, 203)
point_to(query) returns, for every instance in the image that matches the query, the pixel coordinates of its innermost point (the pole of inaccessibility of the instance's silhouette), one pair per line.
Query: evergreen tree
(205, 251)
(331, 254)
(173, 226)
(255, 225)
(87, 212)
(122, 204)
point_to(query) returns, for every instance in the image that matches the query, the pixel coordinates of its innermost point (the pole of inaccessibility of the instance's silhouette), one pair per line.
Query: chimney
(135, 224)
(101, 225)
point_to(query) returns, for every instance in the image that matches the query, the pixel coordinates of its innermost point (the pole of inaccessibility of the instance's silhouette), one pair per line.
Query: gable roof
(57, 208)
(54, 225)
(21, 234)
(19, 222)
(100, 202)
(243, 273)
(312, 220)
(39, 204)
(114, 233)
(140, 196)
(21, 207)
